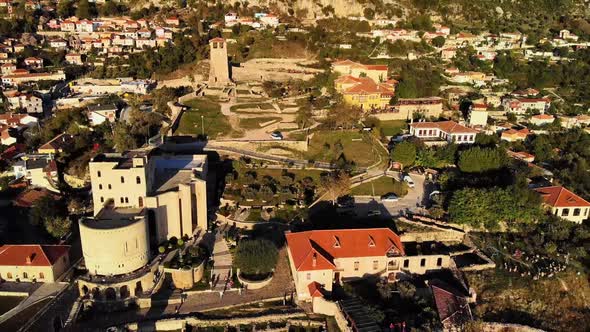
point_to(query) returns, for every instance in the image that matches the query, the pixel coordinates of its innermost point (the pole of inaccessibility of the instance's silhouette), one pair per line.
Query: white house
(449, 131)
(521, 105)
(99, 113)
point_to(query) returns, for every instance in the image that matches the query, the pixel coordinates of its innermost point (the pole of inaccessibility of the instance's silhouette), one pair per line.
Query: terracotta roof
(543, 116)
(516, 132)
(351, 79)
(217, 40)
(368, 86)
(558, 196)
(450, 127)
(315, 289)
(452, 309)
(376, 67)
(28, 197)
(31, 254)
(316, 250)
(58, 142)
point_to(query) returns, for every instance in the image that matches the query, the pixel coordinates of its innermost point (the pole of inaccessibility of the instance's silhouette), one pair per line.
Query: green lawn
(214, 122)
(254, 123)
(383, 185)
(357, 147)
(392, 127)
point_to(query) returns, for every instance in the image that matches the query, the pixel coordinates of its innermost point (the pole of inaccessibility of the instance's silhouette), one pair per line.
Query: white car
(389, 198)
(277, 135)
(409, 181)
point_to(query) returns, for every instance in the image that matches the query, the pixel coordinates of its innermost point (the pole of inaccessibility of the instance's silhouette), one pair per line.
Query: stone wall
(261, 144)
(186, 278)
(251, 285)
(329, 308)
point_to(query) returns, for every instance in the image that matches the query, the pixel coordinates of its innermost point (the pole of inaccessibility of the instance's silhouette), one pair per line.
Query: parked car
(389, 198)
(409, 181)
(276, 135)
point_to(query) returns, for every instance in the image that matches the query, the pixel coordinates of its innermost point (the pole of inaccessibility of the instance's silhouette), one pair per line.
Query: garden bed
(251, 282)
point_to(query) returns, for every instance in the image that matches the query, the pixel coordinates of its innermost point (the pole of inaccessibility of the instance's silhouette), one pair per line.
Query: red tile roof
(31, 254)
(316, 250)
(28, 197)
(543, 116)
(216, 40)
(450, 127)
(315, 289)
(558, 196)
(452, 309)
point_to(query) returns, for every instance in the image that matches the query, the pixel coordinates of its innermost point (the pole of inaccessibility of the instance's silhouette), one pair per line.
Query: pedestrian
(176, 310)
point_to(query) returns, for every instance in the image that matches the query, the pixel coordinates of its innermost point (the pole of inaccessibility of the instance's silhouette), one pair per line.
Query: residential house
(28, 197)
(521, 155)
(58, 43)
(18, 121)
(74, 59)
(33, 262)
(521, 105)
(452, 306)
(19, 77)
(270, 20)
(478, 115)
(575, 121)
(34, 63)
(377, 73)
(230, 17)
(85, 26)
(542, 119)
(7, 135)
(514, 135)
(68, 26)
(99, 113)
(7, 68)
(321, 258)
(38, 171)
(448, 53)
(363, 92)
(56, 145)
(446, 131)
(410, 108)
(564, 203)
(172, 21)
(28, 101)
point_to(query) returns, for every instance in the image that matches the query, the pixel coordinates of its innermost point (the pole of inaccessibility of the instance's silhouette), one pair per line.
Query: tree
(439, 41)
(58, 226)
(122, 138)
(479, 160)
(404, 153)
(369, 13)
(342, 115)
(84, 10)
(335, 185)
(45, 207)
(256, 257)
(304, 116)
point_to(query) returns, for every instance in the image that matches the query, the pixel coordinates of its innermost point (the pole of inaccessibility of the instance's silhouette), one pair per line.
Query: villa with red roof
(33, 262)
(541, 119)
(564, 203)
(321, 258)
(377, 73)
(445, 131)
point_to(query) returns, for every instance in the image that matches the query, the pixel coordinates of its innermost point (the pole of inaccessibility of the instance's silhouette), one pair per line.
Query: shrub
(256, 257)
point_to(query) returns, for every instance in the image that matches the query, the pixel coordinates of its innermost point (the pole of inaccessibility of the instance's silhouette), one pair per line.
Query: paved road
(410, 202)
(222, 262)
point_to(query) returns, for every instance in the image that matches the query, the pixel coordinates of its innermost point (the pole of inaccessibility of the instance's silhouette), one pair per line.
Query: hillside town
(217, 166)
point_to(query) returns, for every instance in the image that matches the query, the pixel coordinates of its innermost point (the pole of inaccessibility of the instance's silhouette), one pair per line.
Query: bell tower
(219, 66)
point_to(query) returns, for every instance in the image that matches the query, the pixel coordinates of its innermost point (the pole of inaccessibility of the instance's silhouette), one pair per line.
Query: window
(336, 242)
(308, 276)
(25, 275)
(565, 212)
(98, 174)
(41, 275)
(137, 180)
(356, 266)
(122, 180)
(406, 263)
(439, 261)
(375, 265)
(100, 186)
(9, 275)
(122, 200)
(423, 262)
(109, 186)
(126, 248)
(126, 199)
(371, 241)
(576, 212)
(102, 199)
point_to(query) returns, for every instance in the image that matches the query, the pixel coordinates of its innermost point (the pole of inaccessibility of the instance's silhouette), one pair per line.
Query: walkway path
(222, 263)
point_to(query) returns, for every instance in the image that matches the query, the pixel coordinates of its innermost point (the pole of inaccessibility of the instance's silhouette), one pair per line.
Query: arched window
(100, 186)
(137, 180)
(122, 180)
(98, 174)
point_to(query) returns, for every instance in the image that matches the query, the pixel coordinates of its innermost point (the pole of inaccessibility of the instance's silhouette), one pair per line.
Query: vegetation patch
(348, 146)
(381, 186)
(215, 123)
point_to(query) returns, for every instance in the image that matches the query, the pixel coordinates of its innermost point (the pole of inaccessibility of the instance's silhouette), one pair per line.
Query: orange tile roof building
(513, 135)
(34, 262)
(447, 131)
(320, 258)
(564, 203)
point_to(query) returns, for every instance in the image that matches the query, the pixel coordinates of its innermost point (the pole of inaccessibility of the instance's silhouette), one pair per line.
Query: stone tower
(219, 67)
